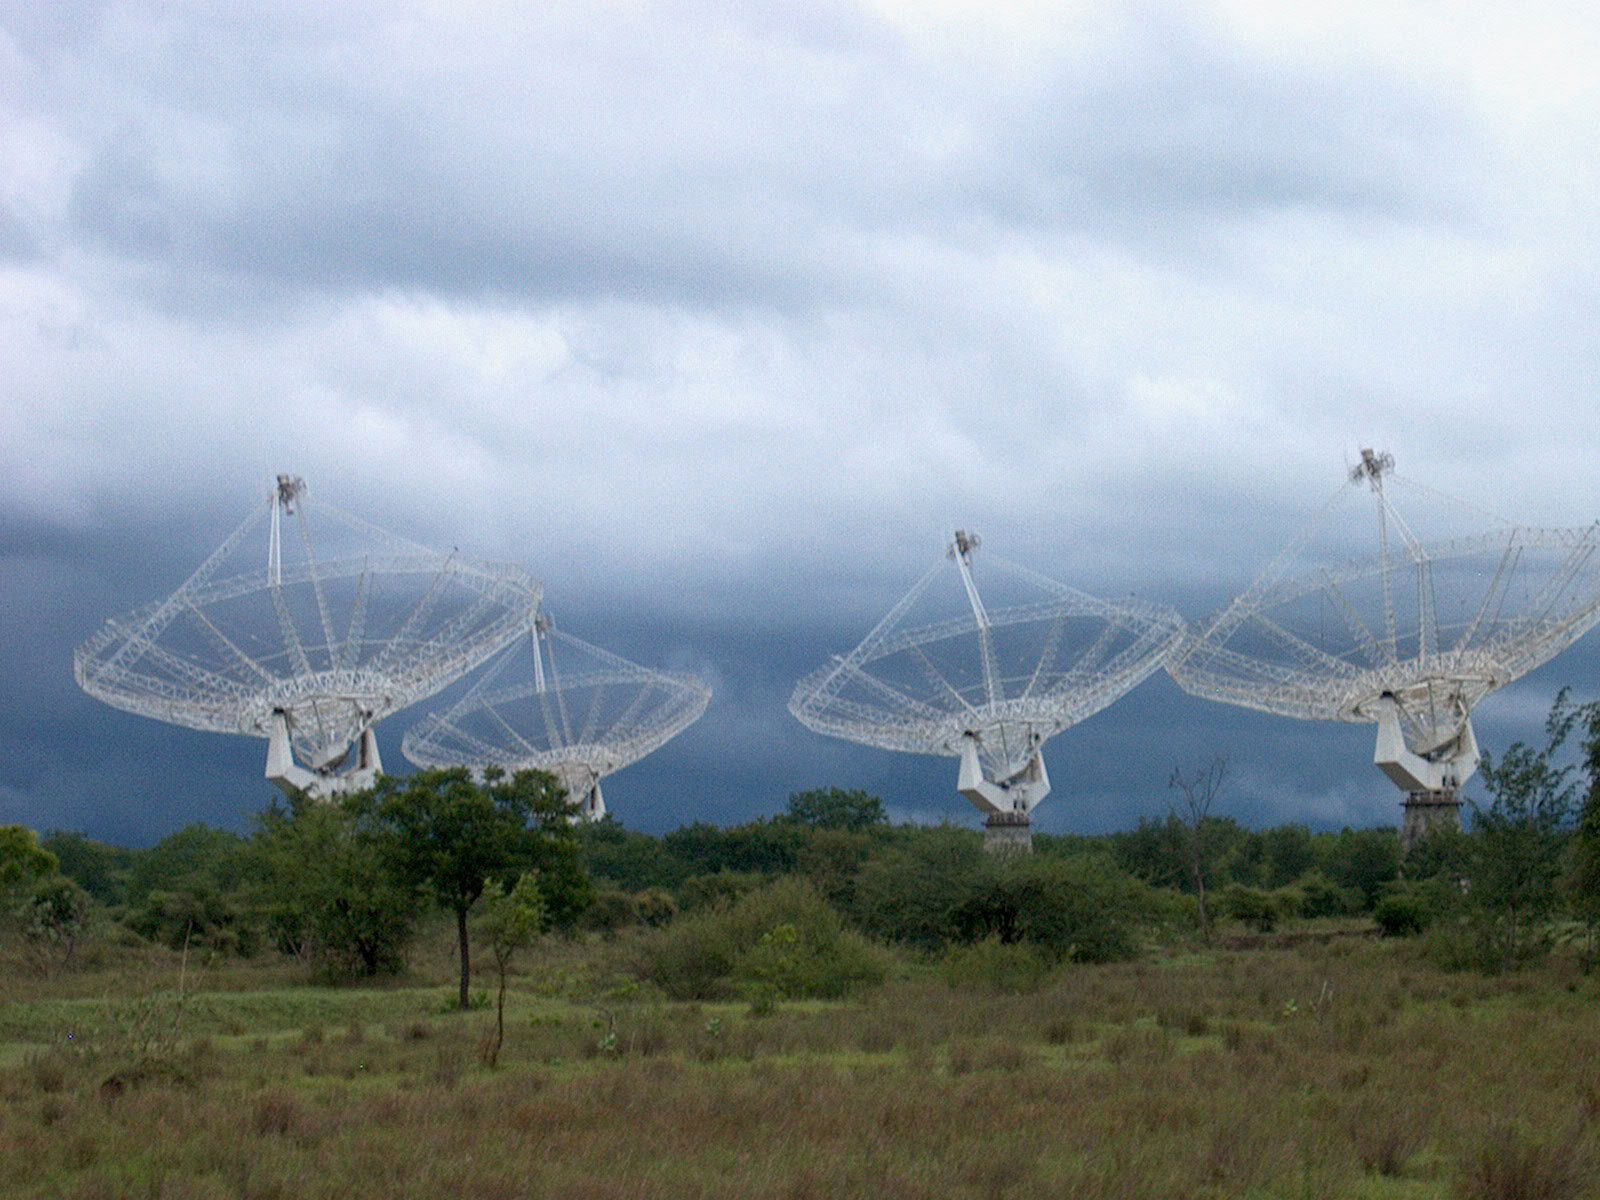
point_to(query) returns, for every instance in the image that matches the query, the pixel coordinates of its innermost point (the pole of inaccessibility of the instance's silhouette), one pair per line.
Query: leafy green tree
(1443, 854)
(1253, 906)
(332, 885)
(769, 847)
(196, 913)
(722, 887)
(1288, 852)
(612, 911)
(55, 916)
(1583, 881)
(1517, 845)
(626, 858)
(909, 893)
(831, 859)
(512, 921)
(834, 808)
(1321, 897)
(197, 858)
(23, 865)
(97, 868)
(1401, 913)
(1082, 909)
(1155, 851)
(453, 836)
(1365, 859)
(656, 907)
(36, 900)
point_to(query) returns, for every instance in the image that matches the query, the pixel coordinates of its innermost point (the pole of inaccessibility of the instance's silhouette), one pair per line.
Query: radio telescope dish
(306, 627)
(1454, 605)
(949, 673)
(552, 702)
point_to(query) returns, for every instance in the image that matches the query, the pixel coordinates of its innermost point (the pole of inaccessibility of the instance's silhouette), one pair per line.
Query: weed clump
(993, 965)
(1510, 1164)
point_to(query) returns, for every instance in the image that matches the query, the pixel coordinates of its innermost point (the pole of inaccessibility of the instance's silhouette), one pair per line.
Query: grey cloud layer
(676, 157)
(719, 321)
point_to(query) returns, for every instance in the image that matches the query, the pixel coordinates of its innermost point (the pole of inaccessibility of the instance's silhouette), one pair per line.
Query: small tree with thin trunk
(512, 920)
(1198, 789)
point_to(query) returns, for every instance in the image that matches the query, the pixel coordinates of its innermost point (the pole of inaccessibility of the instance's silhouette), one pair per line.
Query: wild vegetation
(819, 1004)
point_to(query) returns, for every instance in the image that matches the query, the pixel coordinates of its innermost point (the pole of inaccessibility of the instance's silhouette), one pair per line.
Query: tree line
(796, 904)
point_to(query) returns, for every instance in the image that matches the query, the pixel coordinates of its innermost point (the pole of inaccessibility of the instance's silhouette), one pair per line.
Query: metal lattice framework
(1411, 638)
(553, 702)
(335, 625)
(946, 673)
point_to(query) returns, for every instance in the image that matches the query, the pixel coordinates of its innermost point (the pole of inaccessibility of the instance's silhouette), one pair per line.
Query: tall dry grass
(1342, 1069)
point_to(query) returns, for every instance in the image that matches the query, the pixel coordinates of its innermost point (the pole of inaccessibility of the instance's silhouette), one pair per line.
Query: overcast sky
(719, 317)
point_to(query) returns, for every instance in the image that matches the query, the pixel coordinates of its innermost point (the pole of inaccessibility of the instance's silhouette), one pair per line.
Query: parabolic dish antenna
(552, 702)
(987, 678)
(1452, 605)
(306, 627)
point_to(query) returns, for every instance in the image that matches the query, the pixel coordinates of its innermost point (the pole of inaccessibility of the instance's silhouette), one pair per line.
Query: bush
(1410, 907)
(944, 888)
(329, 888)
(782, 941)
(708, 891)
(1254, 907)
(610, 913)
(1401, 914)
(1322, 897)
(656, 907)
(993, 964)
(56, 916)
(909, 894)
(198, 915)
(1082, 909)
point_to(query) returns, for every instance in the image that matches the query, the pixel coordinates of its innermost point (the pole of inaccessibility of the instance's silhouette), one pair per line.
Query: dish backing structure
(306, 627)
(555, 703)
(1453, 605)
(949, 672)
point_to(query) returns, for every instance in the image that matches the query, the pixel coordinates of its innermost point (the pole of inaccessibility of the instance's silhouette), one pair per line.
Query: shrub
(943, 888)
(909, 894)
(707, 891)
(1409, 907)
(1254, 907)
(1401, 914)
(1083, 909)
(1321, 897)
(656, 907)
(611, 912)
(781, 941)
(993, 964)
(197, 914)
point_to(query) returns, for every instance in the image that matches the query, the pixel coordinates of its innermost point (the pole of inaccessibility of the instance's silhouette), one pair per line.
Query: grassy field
(1320, 1063)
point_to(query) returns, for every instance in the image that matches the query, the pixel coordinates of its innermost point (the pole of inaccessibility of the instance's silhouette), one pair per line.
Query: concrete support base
(1008, 833)
(1427, 813)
